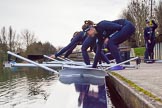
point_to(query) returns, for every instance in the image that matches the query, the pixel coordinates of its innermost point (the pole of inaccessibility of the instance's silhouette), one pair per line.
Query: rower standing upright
(149, 36)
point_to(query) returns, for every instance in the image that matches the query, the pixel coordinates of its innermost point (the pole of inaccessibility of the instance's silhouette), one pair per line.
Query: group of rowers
(105, 34)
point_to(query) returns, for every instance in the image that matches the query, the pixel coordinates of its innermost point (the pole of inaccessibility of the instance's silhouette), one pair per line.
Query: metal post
(151, 9)
(159, 51)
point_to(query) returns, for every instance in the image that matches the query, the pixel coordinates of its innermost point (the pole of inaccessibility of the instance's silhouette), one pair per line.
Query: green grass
(136, 87)
(139, 51)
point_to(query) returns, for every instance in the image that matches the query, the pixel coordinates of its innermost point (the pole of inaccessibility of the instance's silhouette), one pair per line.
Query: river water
(24, 87)
(29, 88)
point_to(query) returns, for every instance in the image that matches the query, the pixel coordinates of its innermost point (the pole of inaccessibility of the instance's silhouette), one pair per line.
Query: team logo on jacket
(104, 33)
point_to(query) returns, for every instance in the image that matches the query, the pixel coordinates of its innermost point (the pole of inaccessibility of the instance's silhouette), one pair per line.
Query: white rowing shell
(82, 71)
(81, 78)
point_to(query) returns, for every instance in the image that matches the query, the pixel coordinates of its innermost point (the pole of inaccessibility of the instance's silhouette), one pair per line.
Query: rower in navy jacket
(79, 42)
(90, 42)
(87, 42)
(149, 36)
(77, 38)
(119, 30)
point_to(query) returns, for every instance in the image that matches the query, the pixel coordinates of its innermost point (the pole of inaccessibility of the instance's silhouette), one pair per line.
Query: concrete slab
(148, 76)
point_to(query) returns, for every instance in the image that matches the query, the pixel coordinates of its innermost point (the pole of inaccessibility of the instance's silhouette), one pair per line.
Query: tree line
(137, 12)
(24, 42)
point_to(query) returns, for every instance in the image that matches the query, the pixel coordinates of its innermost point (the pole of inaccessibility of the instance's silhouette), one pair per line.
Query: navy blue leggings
(118, 38)
(150, 50)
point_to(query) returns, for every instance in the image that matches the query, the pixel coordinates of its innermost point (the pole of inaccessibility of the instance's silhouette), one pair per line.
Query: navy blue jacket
(149, 32)
(80, 37)
(106, 28)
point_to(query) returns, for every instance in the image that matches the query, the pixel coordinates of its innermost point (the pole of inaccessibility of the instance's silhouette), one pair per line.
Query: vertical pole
(159, 51)
(151, 9)
(155, 50)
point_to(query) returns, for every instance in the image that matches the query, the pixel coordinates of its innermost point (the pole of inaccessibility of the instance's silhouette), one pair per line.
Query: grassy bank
(139, 51)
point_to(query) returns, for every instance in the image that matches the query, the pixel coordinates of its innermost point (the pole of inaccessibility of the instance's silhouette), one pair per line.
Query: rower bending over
(78, 39)
(119, 30)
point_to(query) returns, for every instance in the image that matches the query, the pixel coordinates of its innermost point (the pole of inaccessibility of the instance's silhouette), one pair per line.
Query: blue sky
(56, 20)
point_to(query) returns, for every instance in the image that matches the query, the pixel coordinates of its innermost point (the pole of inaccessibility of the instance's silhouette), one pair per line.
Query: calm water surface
(25, 87)
(28, 87)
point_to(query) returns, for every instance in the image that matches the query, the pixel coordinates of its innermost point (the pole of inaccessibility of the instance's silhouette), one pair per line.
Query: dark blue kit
(149, 34)
(89, 42)
(117, 31)
(80, 37)
(86, 42)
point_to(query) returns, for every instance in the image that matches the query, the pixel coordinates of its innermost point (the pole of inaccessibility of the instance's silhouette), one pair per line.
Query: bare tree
(4, 35)
(3, 40)
(3, 45)
(19, 44)
(28, 37)
(137, 12)
(11, 39)
(158, 14)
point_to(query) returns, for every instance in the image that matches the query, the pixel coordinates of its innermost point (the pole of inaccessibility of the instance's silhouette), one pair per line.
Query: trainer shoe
(117, 68)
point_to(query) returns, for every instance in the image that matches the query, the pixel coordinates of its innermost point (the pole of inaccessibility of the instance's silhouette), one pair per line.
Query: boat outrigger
(65, 63)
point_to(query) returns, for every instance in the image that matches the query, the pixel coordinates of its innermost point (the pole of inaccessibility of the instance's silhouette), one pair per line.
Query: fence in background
(158, 50)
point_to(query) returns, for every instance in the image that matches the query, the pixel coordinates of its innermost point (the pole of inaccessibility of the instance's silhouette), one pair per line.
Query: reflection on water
(24, 87)
(91, 97)
(72, 93)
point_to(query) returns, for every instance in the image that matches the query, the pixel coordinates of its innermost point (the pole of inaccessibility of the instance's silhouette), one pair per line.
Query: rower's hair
(75, 33)
(87, 23)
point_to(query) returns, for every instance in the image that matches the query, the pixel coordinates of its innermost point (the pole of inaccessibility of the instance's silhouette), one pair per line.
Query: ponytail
(76, 33)
(87, 23)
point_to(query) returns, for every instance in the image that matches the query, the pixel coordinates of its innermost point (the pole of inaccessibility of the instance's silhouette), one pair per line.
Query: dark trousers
(149, 52)
(118, 38)
(146, 55)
